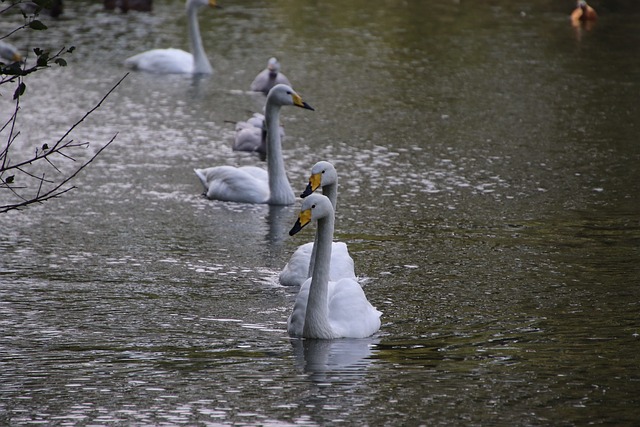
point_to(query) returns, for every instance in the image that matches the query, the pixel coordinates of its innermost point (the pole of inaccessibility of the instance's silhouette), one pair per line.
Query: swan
(9, 52)
(324, 309)
(300, 266)
(177, 61)
(251, 135)
(269, 77)
(250, 184)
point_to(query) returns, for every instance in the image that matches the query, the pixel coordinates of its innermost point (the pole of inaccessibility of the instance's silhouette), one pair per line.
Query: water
(489, 196)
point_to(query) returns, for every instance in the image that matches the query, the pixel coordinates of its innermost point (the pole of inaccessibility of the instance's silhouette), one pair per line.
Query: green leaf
(37, 25)
(43, 59)
(19, 90)
(61, 62)
(38, 51)
(71, 49)
(9, 179)
(45, 147)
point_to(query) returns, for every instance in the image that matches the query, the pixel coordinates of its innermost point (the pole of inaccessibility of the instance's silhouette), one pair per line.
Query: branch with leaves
(21, 183)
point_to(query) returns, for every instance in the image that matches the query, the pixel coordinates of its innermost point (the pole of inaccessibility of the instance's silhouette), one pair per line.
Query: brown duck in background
(127, 5)
(583, 13)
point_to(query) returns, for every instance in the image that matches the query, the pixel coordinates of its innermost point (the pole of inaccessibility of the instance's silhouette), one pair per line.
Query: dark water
(488, 157)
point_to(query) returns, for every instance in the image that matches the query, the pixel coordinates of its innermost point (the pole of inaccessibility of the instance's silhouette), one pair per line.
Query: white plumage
(177, 61)
(326, 309)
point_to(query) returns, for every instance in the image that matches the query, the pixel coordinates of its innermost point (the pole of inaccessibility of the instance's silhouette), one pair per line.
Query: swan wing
(297, 269)
(249, 139)
(342, 265)
(263, 81)
(162, 61)
(282, 79)
(295, 323)
(260, 83)
(247, 184)
(351, 315)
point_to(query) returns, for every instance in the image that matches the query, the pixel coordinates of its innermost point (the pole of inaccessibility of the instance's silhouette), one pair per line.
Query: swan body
(269, 77)
(327, 309)
(9, 52)
(583, 12)
(251, 135)
(300, 265)
(177, 61)
(252, 184)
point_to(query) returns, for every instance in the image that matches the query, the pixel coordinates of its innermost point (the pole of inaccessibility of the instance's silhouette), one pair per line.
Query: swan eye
(313, 206)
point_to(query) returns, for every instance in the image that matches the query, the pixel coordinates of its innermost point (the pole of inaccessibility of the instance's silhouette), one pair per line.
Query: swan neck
(279, 187)
(317, 316)
(331, 191)
(201, 63)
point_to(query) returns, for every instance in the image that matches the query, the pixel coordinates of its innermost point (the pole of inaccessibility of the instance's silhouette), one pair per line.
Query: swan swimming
(250, 184)
(324, 309)
(177, 61)
(300, 265)
(269, 77)
(251, 135)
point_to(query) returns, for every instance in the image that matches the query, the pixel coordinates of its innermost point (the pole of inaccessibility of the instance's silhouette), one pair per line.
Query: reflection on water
(488, 191)
(329, 361)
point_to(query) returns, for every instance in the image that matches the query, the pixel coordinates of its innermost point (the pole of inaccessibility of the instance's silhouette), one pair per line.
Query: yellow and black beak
(303, 219)
(298, 102)
(314, 183)
(214, 4)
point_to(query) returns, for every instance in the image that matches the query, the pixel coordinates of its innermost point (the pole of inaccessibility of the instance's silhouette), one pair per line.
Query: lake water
(489, 194)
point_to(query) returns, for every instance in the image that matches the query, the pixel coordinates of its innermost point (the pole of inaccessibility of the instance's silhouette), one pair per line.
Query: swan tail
(203, 178)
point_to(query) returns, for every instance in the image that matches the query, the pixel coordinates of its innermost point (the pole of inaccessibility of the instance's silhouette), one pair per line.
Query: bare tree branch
(58, 189)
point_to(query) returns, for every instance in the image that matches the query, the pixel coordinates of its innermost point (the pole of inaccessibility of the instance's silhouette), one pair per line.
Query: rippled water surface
(488, 158)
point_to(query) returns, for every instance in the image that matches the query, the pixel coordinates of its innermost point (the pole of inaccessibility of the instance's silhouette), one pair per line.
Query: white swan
(325, 309)
(269, 77)
(250, 184)
(251, 135)
(177, 61)
(300, 266)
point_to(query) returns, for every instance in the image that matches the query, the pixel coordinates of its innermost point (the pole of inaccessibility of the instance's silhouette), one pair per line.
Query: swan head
(273, 66)
(322, 173)
(313, 208)
(282, 94)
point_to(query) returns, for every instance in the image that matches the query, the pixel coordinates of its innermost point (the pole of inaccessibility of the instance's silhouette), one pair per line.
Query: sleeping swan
(250, 184)
(300, 266)
(324, 309)
(177, 61)
(251, 135)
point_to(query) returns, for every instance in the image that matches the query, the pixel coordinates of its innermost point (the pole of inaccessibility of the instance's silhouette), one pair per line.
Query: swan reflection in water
(338, 360)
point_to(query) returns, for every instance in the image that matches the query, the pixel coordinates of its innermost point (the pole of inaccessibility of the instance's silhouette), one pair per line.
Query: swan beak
(298, 102)
(314, 183)
(212, 3)
(303, 219)
(17, 57)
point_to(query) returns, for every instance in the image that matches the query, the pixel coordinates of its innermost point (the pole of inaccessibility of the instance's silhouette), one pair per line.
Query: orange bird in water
(583, 12)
